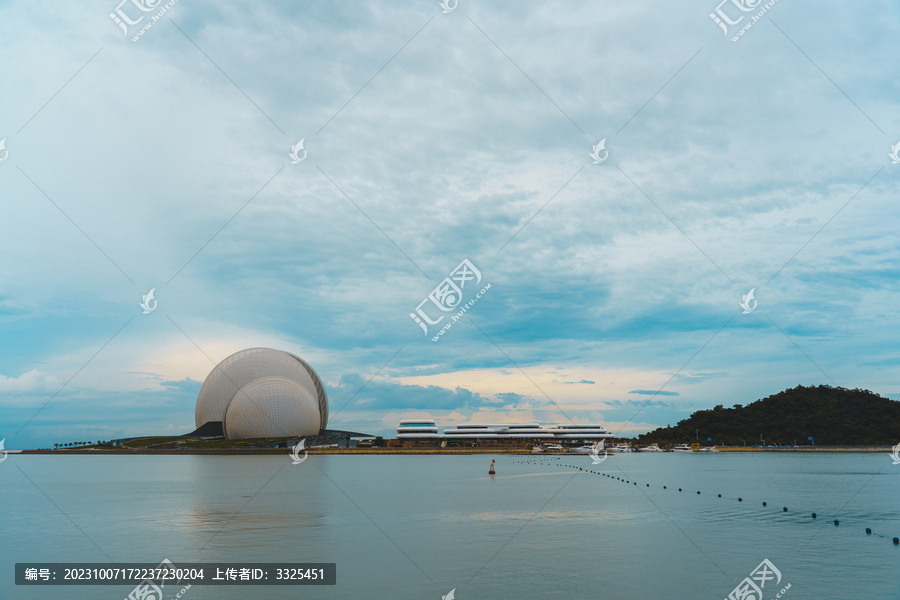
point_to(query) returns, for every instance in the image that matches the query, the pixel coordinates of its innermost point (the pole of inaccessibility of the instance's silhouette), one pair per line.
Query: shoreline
(417, 451)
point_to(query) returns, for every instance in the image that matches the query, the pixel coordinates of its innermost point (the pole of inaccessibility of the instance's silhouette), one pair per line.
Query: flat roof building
(418, 429)
(421, 429)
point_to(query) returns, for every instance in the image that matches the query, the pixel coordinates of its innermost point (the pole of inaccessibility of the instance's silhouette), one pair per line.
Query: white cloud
(31, 381)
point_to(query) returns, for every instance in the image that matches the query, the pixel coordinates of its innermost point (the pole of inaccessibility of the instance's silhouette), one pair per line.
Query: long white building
(427, 429)
(418, 429)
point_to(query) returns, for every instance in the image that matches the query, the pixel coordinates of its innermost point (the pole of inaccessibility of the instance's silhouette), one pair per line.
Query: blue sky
(432, 138)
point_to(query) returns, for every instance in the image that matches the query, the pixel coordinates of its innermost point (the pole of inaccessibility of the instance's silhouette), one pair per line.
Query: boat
(537, 450)
(682, 448)
(708, 449)
(553, 447)
(621, 448)
(586, 449)
(651, 448)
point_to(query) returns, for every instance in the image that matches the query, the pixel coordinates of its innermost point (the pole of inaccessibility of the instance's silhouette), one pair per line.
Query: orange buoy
(492, 472)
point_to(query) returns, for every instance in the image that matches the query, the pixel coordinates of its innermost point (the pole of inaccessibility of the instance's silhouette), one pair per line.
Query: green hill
(830, 415)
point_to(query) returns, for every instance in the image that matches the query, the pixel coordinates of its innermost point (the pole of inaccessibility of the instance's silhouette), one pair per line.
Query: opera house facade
(262, 393)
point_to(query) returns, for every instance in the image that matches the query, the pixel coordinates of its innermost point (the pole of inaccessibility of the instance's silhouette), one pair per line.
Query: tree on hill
(829, 415)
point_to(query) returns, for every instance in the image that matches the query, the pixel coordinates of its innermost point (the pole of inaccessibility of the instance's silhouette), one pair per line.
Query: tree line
(74, 444)
(829, 415)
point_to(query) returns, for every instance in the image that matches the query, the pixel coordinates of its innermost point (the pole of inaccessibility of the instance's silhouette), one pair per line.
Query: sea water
(420, 526)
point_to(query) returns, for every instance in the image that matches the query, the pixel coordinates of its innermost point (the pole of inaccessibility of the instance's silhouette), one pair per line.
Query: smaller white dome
(271, 407)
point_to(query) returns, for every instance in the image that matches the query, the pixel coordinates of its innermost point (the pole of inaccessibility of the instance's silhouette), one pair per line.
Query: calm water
(417, 526)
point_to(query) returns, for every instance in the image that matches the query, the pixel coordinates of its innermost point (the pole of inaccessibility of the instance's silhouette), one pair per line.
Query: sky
(728, 164)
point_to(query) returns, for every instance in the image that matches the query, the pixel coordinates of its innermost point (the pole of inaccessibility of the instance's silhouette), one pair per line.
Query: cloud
(654, 393)
(354, 392)
(642, 403)
(512, 399)
(31, 381)
(187, 385)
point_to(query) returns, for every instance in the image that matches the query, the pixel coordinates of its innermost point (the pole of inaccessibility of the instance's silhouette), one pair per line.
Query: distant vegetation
(830, 415)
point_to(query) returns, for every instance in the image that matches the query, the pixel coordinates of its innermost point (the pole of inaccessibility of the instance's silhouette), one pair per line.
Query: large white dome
(241, 368)
(271, 407)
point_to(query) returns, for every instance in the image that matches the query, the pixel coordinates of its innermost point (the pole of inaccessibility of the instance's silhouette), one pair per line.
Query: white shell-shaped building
(272, 407)
(263, 393)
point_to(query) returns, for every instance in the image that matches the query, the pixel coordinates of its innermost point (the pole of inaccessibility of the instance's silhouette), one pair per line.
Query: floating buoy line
(547, 459)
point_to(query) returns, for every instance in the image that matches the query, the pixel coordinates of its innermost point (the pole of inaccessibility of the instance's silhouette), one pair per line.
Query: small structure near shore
(492, 471)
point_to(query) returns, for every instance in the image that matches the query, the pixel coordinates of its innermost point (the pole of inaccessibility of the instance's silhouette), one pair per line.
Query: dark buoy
(868, 531)
(664, 487)
(635, 483)
(740, 499)
(764, 504)
(784, 509)
(836, 522)
(896, 541)
(492, 471)
(679, 489)
(648, 485)
(814, 515)
(720, 495)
